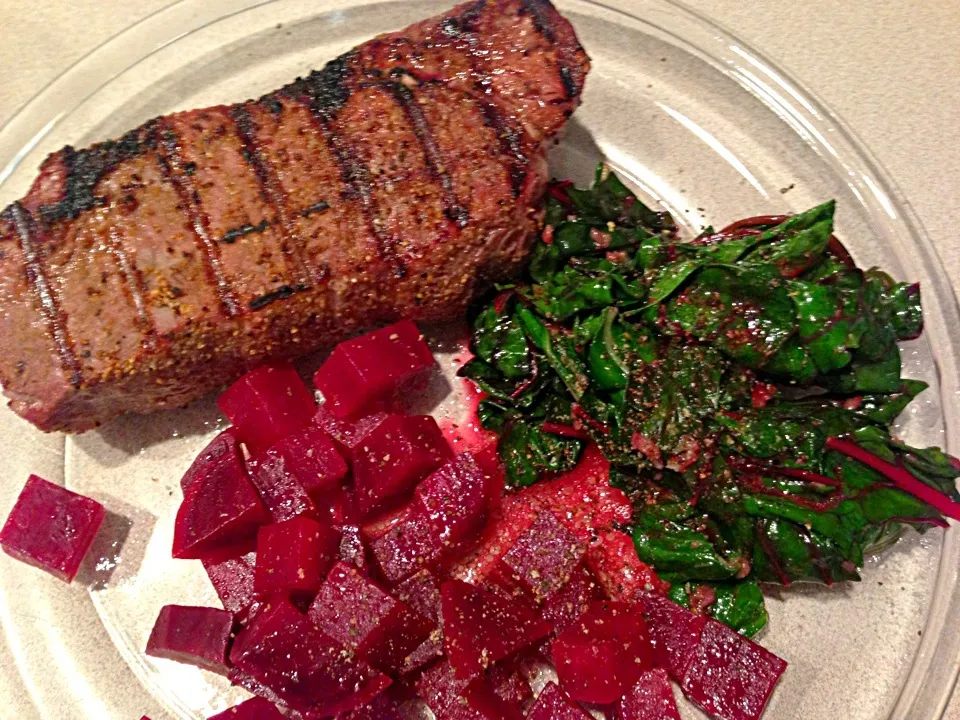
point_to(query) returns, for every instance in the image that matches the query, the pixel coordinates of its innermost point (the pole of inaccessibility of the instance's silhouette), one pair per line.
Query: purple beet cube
(395, 455)
(353, 550)
(554, 704)
(650, 699)
(674, 633)
(306, 669)
(293, 556)
(408, 547)
(353, 610)
(267, 404)
(222, 455)
(545, 557)
(383, 707)
(252, 709)
(281, 492)
(51, 528)
(455, 499)
(195, 635)
(731, 677)
(220, 508)
(422, 593)
(565, 606)
(372, 367)
(346, 433)
(310, 456)
(232, 579)
(452, 698)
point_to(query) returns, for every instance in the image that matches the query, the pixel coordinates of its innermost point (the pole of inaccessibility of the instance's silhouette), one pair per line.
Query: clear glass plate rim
(922, 695)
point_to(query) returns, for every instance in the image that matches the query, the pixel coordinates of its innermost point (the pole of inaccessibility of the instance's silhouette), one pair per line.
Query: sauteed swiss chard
(742, 384)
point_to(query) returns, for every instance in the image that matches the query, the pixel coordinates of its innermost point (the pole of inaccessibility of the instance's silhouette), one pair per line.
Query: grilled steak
(402, 178)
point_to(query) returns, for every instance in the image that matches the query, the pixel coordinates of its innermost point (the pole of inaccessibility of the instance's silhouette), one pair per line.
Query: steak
(398, 181)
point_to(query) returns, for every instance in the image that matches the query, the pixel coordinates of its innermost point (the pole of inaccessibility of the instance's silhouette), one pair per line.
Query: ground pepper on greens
(743, 386)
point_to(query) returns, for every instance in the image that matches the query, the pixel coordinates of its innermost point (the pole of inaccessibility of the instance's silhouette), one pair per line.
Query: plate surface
(700, 123)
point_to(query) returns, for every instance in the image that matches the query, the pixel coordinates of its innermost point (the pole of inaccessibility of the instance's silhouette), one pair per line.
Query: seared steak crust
(402, 178)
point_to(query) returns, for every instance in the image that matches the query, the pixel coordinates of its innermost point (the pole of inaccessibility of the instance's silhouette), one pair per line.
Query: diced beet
(51, 528)
(674, 633)
(293, 556)
(650, 699)
(372, 367)
(195, 635)
(309, 671)
(353, 551)
(453, 698)
(566, 605)
(282, 494)
(346, 433)
(222, 454)
(393, 457)
(481, 626)
(220, 508)
(422, 593)
(613, 558)
(232, 579)
(554, 704)
(455, 499)
(267, 404)
(407, 548)
(252, 709)
(508, 684)
(383, 707)
(731, 677)
(310, 456)
(381, 525)
(602, 655)
(545, 557)
(353, 610)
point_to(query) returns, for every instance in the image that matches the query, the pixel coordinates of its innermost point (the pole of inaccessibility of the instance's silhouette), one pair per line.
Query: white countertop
(889, 69)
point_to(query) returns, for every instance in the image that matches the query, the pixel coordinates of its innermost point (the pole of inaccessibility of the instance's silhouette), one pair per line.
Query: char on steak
(398, 181)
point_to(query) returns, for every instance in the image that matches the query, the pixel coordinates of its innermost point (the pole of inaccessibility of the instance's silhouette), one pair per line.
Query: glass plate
(702, 124)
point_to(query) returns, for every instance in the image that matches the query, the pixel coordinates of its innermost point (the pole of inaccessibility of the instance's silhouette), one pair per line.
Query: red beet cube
(372, 367)
(565, 606)
(353, 551)
(309, 671)
(612, 557)
(544, 557)
(310, 457)
(602, 655)
(220, 508)
(730, 677)
(195, 635)
(422, 593)
(455, 499)
(674, 633)
(51, 528)
(481, 626)
(281, 492)
(293, 556)
(650, 699)
(353, 610)
(393, 457)
(232, 578)
(346, 433)
(222, 455)
(554, 704)
(453, 698)
(383, 707)
(407, 548)
(508, 683)
(252, 709)
(267, 404)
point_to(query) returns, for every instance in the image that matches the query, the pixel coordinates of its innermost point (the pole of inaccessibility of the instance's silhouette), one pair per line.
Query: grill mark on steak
(510, 137)
(277, 200)
(542, 24)
(436, 164)
(234, 234)
(49, 303)
(171, 165)
(324, 92)
(317, 207)
(281, 293)
(135, 287)
(86, 167)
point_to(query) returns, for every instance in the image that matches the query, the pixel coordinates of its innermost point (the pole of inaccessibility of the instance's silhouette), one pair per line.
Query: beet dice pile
(366, 572)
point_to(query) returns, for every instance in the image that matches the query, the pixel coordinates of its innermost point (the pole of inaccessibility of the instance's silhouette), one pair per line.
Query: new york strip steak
(401, 179)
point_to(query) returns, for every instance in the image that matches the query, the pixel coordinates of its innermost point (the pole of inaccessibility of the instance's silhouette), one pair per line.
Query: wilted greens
(741, 384)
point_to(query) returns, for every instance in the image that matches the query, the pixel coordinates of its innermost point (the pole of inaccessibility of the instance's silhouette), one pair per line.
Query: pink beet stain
(467, 433)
